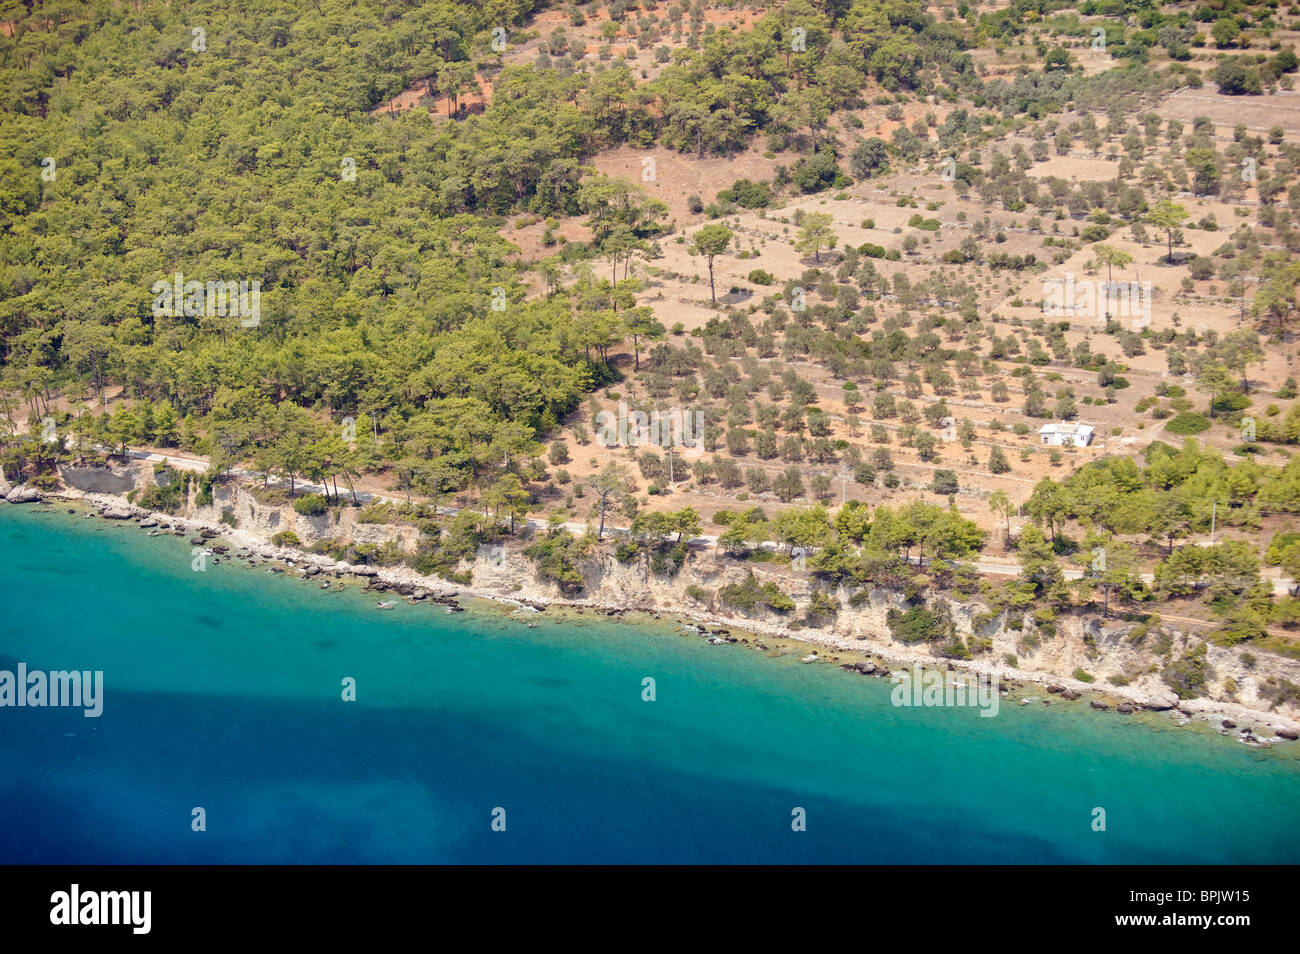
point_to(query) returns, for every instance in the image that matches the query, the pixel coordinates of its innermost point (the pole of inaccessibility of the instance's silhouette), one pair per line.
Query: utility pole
(844, 486)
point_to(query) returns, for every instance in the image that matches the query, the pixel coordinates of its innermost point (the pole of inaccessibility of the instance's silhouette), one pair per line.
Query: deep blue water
(223, 692)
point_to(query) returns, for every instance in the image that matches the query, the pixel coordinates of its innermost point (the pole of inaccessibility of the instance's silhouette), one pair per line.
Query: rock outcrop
(23, 493)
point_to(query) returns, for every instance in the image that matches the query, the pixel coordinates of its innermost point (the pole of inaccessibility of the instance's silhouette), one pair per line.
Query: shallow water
(223, 691)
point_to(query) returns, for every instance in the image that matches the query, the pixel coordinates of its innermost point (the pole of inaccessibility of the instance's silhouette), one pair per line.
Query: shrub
(749, 595)
(915, 625)
(556, 559)
(1187, 423)
(1234, 78)
(286, 538)
(945, 482)
(823, 606)
(204, 495)
(749, 195)
(1234, 401)
(1187, 676)
(311, 505)
(166, 498)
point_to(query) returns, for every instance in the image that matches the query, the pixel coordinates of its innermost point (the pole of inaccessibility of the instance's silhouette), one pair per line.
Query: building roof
(1066, 427)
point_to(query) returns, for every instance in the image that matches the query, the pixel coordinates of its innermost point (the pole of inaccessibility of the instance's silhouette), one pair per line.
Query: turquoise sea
(223, 691)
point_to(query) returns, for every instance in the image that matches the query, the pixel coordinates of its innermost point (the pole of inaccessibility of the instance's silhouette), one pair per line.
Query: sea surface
(224, 692)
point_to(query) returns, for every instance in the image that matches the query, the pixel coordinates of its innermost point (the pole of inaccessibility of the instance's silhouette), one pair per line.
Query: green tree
(815, 234)
(1001, 504)
(1038, 566)
(998, 463)
(1168, 216)
(1225, 32)
(1238, 350)
(712, 241)
(1212, 378)
(609, 486)
(1110, 566)
(1110, 257)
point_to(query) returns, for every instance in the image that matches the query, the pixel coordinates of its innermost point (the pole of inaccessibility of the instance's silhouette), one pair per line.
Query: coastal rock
(23, 494)
(1289, 734)
(1228, 724)
(617, 586)
(1098, 704)
(116, 513)
(1124, 709)
(1159, 701)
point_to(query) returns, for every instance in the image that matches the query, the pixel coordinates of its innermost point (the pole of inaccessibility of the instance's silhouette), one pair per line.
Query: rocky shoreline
(1252, 726)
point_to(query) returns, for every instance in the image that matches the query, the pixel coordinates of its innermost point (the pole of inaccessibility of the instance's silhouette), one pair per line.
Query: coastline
(870, 655)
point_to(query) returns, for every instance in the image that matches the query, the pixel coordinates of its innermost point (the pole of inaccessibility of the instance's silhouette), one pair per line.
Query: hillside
(862, 252)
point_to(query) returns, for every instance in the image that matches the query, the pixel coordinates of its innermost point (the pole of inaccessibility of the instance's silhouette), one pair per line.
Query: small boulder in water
(23, 494)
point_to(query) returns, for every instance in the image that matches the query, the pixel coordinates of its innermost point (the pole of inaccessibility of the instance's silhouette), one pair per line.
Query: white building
(1066, 433)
